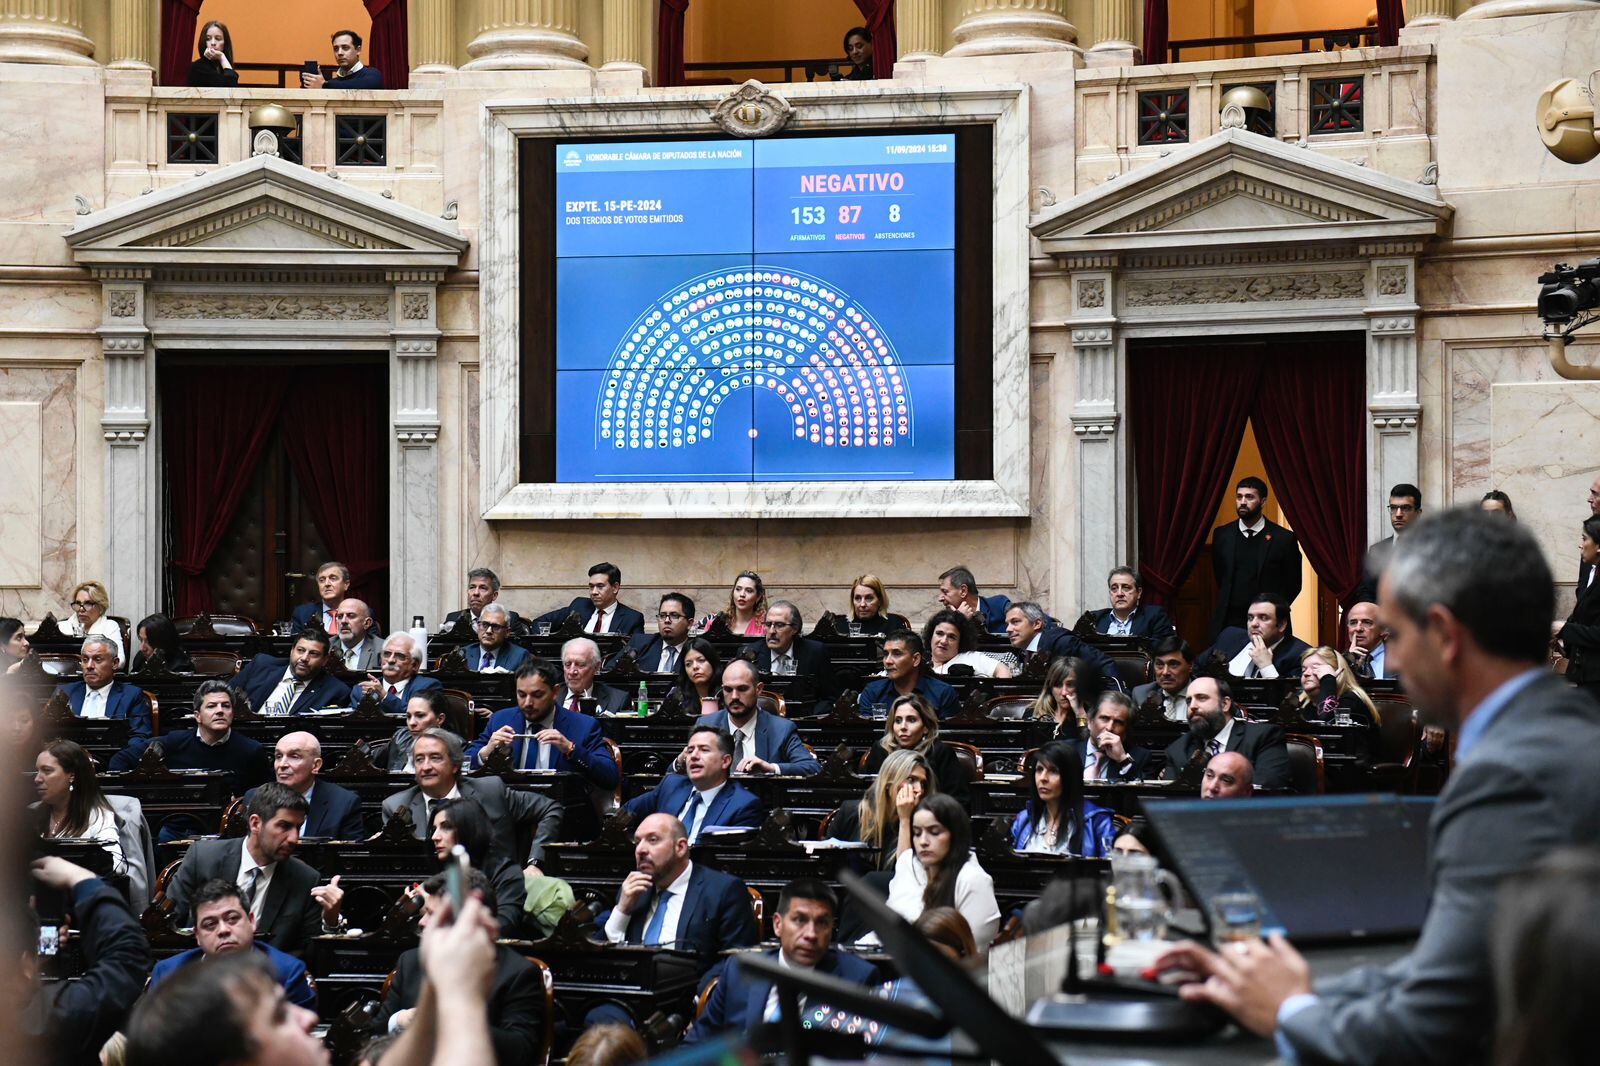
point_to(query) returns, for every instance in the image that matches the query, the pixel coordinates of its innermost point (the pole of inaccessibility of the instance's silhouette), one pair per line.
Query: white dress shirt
(783, 663)
(279, 692)
(247, 863)
(1119, 627)
(600, 621)
(674, 652)
(1376, 658)
(1261, 523)
(707, 797)
(94, 700)
(670, 897)
(748, 731)
(1239, 665)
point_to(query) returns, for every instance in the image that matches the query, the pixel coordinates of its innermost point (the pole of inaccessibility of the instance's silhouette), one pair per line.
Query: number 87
(849, 214)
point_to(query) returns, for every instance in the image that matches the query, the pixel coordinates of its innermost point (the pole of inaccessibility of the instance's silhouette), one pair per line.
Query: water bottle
(419, 633)
(644, 700)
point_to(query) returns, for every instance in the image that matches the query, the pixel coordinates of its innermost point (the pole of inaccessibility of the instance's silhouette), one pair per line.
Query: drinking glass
(1235, 917)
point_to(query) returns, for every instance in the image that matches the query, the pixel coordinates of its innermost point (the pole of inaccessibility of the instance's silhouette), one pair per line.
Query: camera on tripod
(1566, 292)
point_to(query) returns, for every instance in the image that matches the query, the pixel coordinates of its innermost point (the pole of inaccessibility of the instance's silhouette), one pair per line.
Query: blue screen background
(756, 311)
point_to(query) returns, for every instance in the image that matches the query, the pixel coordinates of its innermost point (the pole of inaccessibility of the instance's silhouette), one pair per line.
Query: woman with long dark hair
(157, 633)
(746, 613)
(14, 645)
(71, 804)
(464, 822)
(940, 870)
(699, 686)
(1579, 635)
(214, 68)
(1057, 819)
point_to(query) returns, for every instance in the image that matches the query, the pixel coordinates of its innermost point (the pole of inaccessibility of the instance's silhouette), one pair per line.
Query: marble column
(527, 35)
(414, 529)
(44, 31)
(133, 531)
(1394, 443)
(624, 34)
(433, 36)
(1425, 12)
(919, 29)
(1496, 9)
(1004, 27)
(130, 34)
(1116, 25)
(1096, 425)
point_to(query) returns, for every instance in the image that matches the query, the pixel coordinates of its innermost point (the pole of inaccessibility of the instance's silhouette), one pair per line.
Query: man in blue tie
(668, 899)
(494, 651)
(702, 797)
(539, 735)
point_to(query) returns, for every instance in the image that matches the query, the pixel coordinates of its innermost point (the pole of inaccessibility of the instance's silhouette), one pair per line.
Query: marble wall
(39, 492)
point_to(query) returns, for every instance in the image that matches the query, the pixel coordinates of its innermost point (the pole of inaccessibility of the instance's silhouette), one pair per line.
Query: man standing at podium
(1467, 599)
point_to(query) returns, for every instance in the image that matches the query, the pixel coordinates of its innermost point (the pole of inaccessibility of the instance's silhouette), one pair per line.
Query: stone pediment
(1240, 190)
(265, 213)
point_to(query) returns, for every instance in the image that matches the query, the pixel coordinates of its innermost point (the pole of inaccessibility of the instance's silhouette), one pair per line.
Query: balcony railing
(809, 69)
(1308, 40)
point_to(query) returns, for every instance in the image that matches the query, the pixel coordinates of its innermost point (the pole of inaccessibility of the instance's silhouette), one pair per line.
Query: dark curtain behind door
(1187, 408)
(387, 46)
(879, 15)
(179, 19)
(216, 422)
(669, 41)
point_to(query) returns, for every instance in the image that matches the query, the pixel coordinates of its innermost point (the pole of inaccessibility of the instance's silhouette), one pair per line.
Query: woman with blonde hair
(912, 725)
(90, 602)
(1064, 696)
(1328, 688)
(882, 816)
(746, 613)
(869, 608)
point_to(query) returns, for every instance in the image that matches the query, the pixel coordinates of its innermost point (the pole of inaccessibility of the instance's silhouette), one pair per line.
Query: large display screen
(776, 310)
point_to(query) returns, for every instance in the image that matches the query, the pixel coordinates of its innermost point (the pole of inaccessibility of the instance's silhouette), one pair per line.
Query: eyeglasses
(780, 625)
(671, 616)
(490, 627)
(394, 656)
(82, 605)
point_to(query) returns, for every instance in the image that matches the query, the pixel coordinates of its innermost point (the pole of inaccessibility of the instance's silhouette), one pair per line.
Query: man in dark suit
(1214, 729)
(804, 924)
(1405, 507)
(762, 743)
(1467, 599)
(1251, 556)
(401, 664)
(958, 590)
(438, 756)
(516, 994)
(483, 588)
(669, 900)
(222, 926)
(1029, 630)
(661, 652)
(783, 652)
(282, 892)
(1368, 652)
(1127, 617)
(333, 812)
(358, 648)
(211, 745)
(702, 797)
(1585, 569)
(1107, 756)
(295, 685)
(100, 695)
(599, 611)
(333, 585)
(1264, 648)
(580, 662)
(1173, 662)
(904, 672)
(539, 735)
(495, 650)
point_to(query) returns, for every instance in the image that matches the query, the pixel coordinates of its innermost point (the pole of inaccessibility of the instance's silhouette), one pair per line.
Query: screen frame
(517, 288)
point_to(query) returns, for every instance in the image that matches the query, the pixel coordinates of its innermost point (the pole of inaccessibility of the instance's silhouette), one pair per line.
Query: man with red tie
(333, 585)
(580, 661)
(599, 611)
(400, 662)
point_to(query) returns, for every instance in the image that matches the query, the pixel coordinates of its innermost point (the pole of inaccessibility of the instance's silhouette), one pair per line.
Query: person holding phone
(351, 73)
(214, 68)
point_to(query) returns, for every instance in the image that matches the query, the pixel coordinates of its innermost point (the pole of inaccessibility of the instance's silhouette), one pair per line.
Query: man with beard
(1213, 729)
(1264, 647)
(1251, 556)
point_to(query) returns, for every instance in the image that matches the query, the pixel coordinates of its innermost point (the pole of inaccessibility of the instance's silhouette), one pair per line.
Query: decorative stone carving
(414, 307)
(300, 217)
(752, 110)
(1091, 294)
(1247, 288)
(1391, 281)
(1255, 188)
(121, 304)
(265, 143)
(262, 306)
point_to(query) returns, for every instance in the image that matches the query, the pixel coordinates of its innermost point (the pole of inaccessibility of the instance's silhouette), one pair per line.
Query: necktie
(690, 811)
(488, 661)
(433, 809)
(573, 705)
(1251, 669)
(286, 701)
(393, 692)
(1249, 533)
(738, 749)
(599, 619)
(669, 661)
(652, 932)
(1213, 748)
(1095, 770)
(252, 882)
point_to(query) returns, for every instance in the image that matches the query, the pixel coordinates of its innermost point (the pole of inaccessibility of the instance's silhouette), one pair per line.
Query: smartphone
(311, 67)
(49, 940)
(458, 879)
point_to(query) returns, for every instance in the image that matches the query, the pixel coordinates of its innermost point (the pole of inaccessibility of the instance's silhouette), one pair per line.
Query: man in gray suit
(438, 755)
(1468, 599)
(281, 891)
(358, 646)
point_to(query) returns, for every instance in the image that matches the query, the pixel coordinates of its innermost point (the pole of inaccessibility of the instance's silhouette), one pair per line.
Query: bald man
(335, 812)
(1228, 776)
(357, 646)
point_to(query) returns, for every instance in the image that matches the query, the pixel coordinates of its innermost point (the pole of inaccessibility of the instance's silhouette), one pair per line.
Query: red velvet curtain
(1309, 416)
(179, 18)
(1186, 412)
(1391, 16)
(336, 437)
(1155, 31)
(669, 41)
(387, 47)
(211, 454)
(880, 20)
